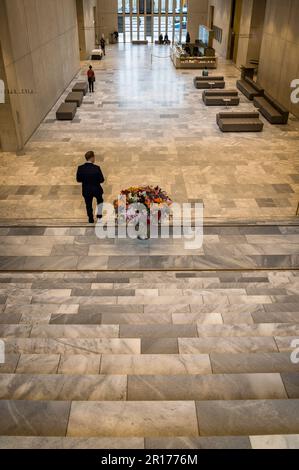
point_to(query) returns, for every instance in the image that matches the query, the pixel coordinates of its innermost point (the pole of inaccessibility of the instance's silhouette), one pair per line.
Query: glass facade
(147, 19)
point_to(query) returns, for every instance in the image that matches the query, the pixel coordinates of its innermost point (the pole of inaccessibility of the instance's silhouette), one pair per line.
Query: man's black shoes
(91, 221)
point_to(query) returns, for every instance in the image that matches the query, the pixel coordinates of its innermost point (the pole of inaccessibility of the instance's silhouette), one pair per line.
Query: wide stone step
(147, 364)
(148, 330)
(209, 387)
(149, 360)
(150, 388)
(16, 442)
(73, 346)
(149, 419)
(226, 345)
(290, 441)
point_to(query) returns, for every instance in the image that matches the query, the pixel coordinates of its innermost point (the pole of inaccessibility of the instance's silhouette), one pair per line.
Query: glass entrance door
(147, 19)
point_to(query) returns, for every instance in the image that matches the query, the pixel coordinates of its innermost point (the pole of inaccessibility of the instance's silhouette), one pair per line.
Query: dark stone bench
(81, 86)
(249, 88)
(158, 43)
(219, 98)
(75, 97)
(140, 42)
(273, 111)
(239, 122)
(205, 83)
(66, 112)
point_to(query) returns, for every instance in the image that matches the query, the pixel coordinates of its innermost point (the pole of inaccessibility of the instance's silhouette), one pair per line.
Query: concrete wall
(107, 17)
(86, 27)
(244, 32)
(251, 30)
(197, 15)
(222, 17)
(257, 28)
(8, 133)
(279, 63)
(39, 41)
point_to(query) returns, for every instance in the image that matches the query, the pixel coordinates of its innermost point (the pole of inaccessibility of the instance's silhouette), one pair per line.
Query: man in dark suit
(91, 177)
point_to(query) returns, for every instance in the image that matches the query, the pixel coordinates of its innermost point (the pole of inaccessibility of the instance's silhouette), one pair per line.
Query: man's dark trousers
(88, 201)
(91, 177)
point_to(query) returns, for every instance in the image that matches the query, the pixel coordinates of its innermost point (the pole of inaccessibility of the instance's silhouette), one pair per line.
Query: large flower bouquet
(155, 201)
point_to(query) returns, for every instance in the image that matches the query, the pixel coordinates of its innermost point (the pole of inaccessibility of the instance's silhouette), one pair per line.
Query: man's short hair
(89, 155)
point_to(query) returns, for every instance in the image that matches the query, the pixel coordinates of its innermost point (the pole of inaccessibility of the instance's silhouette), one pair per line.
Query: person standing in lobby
(103, 45)
(91, 79)
(91, 177)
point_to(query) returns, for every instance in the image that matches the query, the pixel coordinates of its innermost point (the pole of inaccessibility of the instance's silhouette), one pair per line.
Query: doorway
(234, 30)
(211, 17)
(95, 25)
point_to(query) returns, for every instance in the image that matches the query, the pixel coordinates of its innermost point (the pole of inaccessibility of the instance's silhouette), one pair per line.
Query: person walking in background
(103, 45)
(91, 177)
(91, 79)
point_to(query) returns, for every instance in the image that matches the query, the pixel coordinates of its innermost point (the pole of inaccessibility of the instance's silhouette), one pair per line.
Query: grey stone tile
(207, 387)
(132, 419)
(247, 417)
(58, 387)
(118, 309)
(76, 319)
(283, 188)
(159, 346)
(38, 364)
(291, 383)
(229, 443)
(75, 331)
(79, 364)
(102, 292)
(33, 418)
(275, 442)
(71, 443)
(10, 364)
(45, 263)
(226, 345)
(158, 331)
(227, 363)
(10, 318)
(73, 346)
(151, 364)
(15, 331)
(275, 317)
(136, 318)
(26, 231)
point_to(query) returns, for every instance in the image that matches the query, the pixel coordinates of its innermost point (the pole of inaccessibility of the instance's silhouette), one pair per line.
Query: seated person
(205, 72)
(188, 50)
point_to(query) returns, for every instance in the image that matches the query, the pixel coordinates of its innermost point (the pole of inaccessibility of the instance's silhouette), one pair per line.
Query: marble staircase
(149, 359)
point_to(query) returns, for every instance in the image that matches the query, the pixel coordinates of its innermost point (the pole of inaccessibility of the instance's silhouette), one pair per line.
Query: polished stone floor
(139, 359)
(145, 344)
(78, 248)
(148, 125)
